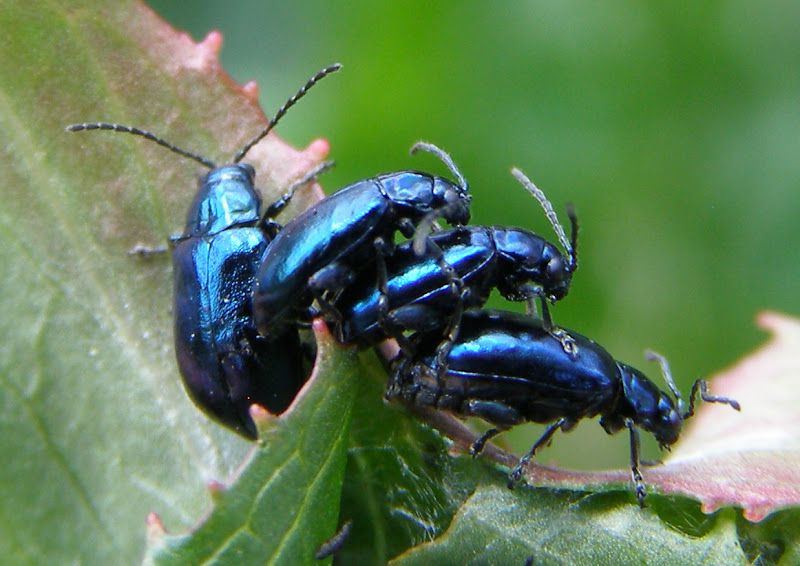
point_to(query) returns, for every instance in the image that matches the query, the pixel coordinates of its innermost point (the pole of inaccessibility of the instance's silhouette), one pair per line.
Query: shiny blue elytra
(225, 364)
(318, 254)
(418, 296)
(507, 369)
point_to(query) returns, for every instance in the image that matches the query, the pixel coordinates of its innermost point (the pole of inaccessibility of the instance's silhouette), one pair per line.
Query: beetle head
(453, 201)
(226, 198)
(527, 257)
(648, 407)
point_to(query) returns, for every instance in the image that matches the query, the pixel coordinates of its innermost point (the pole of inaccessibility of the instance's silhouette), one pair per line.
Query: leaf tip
(321, 328)
(778, 323)
(753, 512)
(155, 527)
(756, 513)
(212, 44)
(319, 149)
(216, 489)
(326, 344)
(263, 419)
(251, 91)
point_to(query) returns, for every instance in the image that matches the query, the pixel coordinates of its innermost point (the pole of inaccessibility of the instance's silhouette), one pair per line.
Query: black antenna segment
(286, 105)
(143, 133)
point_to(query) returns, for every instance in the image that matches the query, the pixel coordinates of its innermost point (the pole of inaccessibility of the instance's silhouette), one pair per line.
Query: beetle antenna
(424, 228)
(573, 237)
(539, 195)
(446, 159)
(702, 386)
(276, 207)
(283, 109)
(652, 356)
(145, 134)
(428, 223)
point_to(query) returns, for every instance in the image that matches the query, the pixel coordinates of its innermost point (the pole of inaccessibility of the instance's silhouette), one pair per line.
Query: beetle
(508, 369)
(225, 364)
(522, 265)
(318, 253)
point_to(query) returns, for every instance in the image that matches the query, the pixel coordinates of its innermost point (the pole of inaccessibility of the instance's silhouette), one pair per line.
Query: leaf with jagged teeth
(96, 428)
(565, 506)
(749, 459)
(285, 499)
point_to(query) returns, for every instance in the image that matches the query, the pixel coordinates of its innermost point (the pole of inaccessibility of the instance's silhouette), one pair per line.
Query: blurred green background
(675, 130)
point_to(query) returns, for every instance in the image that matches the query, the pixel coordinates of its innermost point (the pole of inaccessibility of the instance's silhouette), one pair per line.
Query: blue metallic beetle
(522, 265)
(318, 253)
(508, 369)
(226, 365)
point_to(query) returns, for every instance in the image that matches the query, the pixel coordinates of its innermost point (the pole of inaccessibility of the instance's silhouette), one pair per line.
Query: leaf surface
(95, 426)
(284, 502)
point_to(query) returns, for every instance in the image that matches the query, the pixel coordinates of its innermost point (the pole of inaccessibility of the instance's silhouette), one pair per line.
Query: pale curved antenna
(652, 356)
(539, 195)
(446, 159)
(428, 222)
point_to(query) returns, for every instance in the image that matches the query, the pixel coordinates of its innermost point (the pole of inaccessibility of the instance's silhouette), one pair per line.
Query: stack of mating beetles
(245, 286)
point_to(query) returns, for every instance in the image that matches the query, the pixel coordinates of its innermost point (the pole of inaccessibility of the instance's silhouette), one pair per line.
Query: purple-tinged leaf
(748, 459)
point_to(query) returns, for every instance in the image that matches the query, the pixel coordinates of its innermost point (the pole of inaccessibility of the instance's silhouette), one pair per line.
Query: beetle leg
(494, 412)
(530, 307)
(636, 475)
(516, 473)
(403, 383)
(395, 381)
(331, 278)
(702, 386)
(414, 317)
(568, 343)
(456, 289)
(547, 319)
(443, 349)
(406, 227)
(271, 228)
(533, 292)
(276, 207)
(384, 320)
(146, 251)
(477, 446)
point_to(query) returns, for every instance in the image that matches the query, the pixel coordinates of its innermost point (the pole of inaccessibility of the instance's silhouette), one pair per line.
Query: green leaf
(402, 485)
(285, 502)
(496, 526)
(95, 427)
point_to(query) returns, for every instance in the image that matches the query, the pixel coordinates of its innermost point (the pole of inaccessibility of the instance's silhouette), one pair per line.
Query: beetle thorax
(226, 198)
